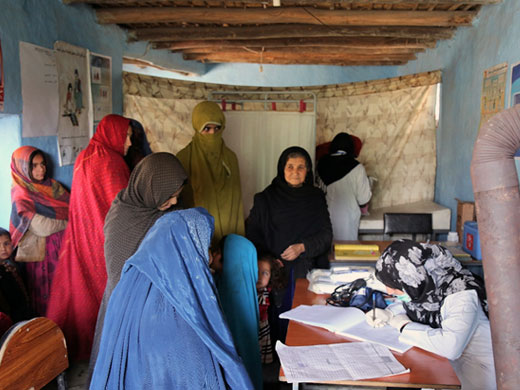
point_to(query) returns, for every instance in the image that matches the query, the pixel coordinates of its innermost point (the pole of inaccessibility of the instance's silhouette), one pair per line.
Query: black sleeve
(321, 242)
(255, 223)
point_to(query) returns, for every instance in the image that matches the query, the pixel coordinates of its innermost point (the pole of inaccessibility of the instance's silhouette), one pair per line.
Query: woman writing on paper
(443, 310)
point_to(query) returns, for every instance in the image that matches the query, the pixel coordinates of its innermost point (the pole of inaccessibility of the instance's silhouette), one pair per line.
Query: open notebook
(346, 321)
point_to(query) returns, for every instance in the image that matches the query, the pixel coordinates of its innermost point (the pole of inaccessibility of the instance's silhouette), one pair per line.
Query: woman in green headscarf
(214, 178)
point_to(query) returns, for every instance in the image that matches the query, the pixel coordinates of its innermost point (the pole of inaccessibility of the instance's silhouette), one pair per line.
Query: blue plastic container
(471, 243)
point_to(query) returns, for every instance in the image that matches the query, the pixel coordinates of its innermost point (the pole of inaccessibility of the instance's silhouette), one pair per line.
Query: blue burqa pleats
(238, 297)
(163, 328)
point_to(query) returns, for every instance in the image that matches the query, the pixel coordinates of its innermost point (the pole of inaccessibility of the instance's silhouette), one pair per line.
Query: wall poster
(101, 85)
(514, 97)
(493, 92)
(39, 90)
(75, 107)
(1, 80)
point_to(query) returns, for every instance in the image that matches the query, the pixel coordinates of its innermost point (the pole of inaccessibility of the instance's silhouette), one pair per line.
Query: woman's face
(38, 168)
(295, 171)
(211, 129)
(128, 141)
(6, 247)
(171, 201)
(264, 274)
(394, 291)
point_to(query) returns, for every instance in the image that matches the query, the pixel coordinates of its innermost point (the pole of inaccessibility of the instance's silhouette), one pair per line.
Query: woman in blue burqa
(164, 328)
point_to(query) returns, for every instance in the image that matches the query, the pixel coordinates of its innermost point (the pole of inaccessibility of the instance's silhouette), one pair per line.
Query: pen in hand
(374, 306)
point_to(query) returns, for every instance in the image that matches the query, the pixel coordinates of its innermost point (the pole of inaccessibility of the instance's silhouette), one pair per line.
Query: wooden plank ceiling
(334, 32)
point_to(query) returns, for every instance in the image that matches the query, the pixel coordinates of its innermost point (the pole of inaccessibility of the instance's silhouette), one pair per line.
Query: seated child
(14, 301)
(270, 274)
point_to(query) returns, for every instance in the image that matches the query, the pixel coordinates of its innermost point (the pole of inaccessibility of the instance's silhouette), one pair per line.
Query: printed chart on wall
(39, 90)
(1, 80)
(101, 85)
(493, 92)
(75, 119)
(514, 98)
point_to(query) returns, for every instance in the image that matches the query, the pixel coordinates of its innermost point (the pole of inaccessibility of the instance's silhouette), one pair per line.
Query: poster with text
(75, 107)
(1, 80)
(493, 92)
(101, 85)
(39, 90)
(514, 97)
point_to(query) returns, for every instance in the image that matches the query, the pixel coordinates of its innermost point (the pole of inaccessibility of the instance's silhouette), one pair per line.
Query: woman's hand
(292, 252)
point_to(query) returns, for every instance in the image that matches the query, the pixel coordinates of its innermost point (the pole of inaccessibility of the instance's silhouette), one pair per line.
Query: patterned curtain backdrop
(395, 119)
(398, 133)
(167, 122)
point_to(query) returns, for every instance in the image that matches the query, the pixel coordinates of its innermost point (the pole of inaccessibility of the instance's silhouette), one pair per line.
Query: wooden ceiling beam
(159, 34)
(283, 15)
(364, 43)
(286, 60)
(295, 54)
(306, 51)
(301, 2)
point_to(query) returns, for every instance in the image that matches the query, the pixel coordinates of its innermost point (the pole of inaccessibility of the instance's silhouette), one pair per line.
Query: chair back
(408, 223)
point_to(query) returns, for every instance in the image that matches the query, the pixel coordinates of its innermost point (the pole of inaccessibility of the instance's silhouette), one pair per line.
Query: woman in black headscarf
(444, 308)
(152, 191)
(290, 221)
(348, 188)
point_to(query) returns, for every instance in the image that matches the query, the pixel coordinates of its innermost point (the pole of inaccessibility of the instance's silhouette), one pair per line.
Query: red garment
(100, 172)
(30, 197)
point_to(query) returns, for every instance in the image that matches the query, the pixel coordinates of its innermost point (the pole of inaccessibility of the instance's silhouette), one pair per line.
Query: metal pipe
(497, 198)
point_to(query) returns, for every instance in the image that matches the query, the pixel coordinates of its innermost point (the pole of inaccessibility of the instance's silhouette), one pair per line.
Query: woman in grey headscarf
(152, 191)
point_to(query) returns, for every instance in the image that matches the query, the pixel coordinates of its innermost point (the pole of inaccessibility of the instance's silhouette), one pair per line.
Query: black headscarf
(428, 273)
(340, 160)
(132, 213)
(294, 213)
(135, 209)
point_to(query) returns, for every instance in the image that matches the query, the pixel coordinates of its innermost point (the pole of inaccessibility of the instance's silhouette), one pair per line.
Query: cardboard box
(465, 212)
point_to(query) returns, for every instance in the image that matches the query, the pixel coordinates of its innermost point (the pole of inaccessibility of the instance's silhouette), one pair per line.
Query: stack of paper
(337, 362)
(347, 321)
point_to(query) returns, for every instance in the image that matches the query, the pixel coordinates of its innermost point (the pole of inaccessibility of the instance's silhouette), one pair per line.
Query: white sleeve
(363, 192)
(459, 314)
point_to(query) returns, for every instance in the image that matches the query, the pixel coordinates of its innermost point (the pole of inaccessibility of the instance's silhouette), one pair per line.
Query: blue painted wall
(42, 23)
(492, 39)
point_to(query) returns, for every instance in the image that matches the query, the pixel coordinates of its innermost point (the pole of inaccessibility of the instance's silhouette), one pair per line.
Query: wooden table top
(382, 246)
(426, 369)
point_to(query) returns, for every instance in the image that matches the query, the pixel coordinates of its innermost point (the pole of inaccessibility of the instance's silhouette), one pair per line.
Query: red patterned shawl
(29, 197)
(100, 172)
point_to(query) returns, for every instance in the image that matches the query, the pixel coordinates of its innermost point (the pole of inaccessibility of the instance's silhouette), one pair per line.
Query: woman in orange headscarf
(38, 217)
(100, 172)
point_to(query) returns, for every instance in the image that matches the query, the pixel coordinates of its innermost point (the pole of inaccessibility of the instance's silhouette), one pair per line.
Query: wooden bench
(32, 354)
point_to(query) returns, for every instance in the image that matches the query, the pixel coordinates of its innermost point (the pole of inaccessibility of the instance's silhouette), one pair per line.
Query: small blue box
(471, 242)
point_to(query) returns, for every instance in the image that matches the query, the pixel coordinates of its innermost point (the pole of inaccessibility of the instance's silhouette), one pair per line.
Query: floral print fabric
(428, 273)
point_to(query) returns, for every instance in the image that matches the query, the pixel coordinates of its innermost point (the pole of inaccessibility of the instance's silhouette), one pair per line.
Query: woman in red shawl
(100, 172)
(38, 218)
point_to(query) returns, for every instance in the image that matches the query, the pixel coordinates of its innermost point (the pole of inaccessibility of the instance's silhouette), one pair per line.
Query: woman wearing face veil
(164, 328)
(152, 190)
(290, 221)
(214, 177)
